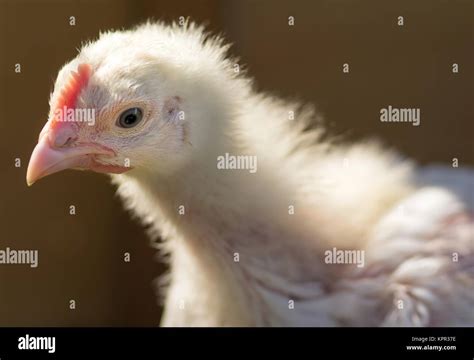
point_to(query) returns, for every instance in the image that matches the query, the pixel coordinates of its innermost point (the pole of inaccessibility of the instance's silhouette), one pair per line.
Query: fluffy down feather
(414, 226)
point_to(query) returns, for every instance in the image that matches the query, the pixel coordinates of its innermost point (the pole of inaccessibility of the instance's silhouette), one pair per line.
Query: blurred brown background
(81, 256)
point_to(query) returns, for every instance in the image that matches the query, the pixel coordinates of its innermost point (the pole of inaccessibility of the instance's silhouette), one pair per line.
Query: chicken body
(254, 246)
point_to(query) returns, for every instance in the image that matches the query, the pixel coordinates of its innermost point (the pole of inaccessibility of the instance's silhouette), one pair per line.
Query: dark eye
(129, 118)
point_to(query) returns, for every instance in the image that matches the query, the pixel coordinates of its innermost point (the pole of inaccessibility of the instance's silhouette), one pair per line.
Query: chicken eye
(129, 118)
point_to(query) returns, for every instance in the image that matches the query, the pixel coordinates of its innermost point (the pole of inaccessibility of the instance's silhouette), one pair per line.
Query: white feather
(359, 197)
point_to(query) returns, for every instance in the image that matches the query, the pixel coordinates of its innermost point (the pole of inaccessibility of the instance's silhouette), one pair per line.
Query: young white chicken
(265, 224)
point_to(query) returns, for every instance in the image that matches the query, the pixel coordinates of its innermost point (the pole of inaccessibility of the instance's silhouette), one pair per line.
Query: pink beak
(50, 156)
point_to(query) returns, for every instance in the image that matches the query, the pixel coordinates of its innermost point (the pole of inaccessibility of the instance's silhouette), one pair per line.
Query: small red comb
(71, 90)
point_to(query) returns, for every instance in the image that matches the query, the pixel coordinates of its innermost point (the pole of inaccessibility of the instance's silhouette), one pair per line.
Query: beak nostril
(62, 137)
(68, 141)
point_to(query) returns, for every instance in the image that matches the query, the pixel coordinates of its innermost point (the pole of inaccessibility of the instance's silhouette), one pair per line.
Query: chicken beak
(46, 159)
